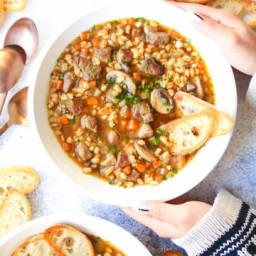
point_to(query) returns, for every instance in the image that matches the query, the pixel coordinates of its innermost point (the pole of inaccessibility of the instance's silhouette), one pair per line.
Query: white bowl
(88, 224)
(203, 162)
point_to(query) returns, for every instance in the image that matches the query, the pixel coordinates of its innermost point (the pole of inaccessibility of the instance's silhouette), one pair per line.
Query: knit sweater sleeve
(251, 93)
(229, 228)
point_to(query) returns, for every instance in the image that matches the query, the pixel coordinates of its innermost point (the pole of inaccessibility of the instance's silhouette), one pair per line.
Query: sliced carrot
(85, 51)
(140, 167)
(132, 125)
(159, 177)
(84, 35)
(165, 71)
(137, 77)
(104, 111)
(66, 146)
(59, 84)
(92, 84)
(131, 22)
(156, 164)
(127, 170)
(92, 101)
(123, 123)
(96, 43)
(64, 120)
(78, 47)
(82, 83)
(175, 35)
(201, 65)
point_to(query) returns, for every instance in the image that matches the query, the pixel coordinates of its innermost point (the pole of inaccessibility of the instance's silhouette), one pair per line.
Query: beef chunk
(122, 160)
(158, 38)
(104, 54)
(143, 112)
(82, 152)
(150, 66)
(124, 55)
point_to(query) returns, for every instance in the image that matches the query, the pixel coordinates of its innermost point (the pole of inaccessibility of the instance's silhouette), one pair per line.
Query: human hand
(169, 220)
(235, 38)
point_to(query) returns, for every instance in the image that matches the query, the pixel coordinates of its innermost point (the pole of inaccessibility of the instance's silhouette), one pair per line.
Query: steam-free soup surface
(111, 89)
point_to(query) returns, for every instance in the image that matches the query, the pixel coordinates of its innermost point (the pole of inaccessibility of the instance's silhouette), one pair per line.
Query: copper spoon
(12, 61)
(17, 109)
(22, 34)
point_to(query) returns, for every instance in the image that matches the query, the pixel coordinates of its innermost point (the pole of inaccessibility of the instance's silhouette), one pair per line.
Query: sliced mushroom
(89, 122)
(82, 152)
(107, 170)
(122, 160)
(109, 161)
(145, 131)
(113, 137)
(161, 101)
(127, 80)
(144, 152)
(68, 81)
(199, 88)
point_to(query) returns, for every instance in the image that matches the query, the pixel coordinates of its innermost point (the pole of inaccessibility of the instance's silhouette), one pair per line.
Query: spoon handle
(4, 128)
(2, 100)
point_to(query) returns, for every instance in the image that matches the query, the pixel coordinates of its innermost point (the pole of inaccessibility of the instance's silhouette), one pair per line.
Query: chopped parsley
(169, 76)
(111, 82)
(160, 131)
(93, 70)
(113, 149)
(97, 134)
(63, 110)
(146, 65)
(165, 102)
(72, 121)
(175, 171)
(107, 60)
(71, 68)
(148, 75)
(110, 182)
(141, 19)
(61, 76)
(126, 137)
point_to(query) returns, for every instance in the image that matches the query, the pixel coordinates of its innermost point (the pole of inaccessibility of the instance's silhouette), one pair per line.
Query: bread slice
(14, 5)
(245, 9)
(189, 133)
(68, 241)
(1, 12)
(24, 179)
(35, 246)
(189, 104)
(14, 211)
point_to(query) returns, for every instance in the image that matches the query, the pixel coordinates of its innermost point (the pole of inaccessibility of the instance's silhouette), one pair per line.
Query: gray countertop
(235, 171)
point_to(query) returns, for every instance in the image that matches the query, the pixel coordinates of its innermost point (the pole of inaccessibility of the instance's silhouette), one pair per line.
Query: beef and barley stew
(111, 89)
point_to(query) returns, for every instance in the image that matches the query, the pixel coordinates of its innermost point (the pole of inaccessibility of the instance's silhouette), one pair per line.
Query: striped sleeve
(251, 93)
(228, 229)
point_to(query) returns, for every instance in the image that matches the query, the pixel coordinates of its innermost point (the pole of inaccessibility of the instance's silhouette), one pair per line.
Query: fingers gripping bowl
(220, 74)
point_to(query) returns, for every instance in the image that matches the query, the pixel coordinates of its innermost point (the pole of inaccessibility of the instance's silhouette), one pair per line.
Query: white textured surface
(18, 146)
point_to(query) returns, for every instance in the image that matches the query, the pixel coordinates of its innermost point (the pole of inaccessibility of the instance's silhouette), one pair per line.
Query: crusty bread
(24, 179)
(14, 5)
(1, 11)
(189, 104)
(189, 133)
(14, 211)
(68, 241)
(35, 246)
(245, 9)
(194, 1)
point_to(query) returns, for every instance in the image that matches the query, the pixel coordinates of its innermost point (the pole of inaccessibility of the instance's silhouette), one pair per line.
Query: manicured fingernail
(195, 17)
(141, 208)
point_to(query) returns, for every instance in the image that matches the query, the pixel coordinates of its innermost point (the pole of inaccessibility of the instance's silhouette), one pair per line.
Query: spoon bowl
(24, 34)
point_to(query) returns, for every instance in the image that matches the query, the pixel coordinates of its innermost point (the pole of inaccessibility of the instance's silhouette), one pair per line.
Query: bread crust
(27, 171)
(25, 210)
(14, 5)
(53, 231)
(190, 104)
(19, 251)
(189, 133)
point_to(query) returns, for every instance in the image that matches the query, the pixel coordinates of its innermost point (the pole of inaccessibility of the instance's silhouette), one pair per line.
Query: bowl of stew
(106, 84)
(105, 236)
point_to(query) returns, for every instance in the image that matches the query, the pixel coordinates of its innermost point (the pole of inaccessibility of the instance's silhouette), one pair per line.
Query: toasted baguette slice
(1, 11)
(36, 246)
(68, 241)
(24, 179)
(14, 211)
(194, 1)
(189, 133)
(14, 5)
(245, 9)
(189, 104)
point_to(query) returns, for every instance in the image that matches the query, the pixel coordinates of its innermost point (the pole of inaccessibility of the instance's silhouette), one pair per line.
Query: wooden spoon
(17, 109)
